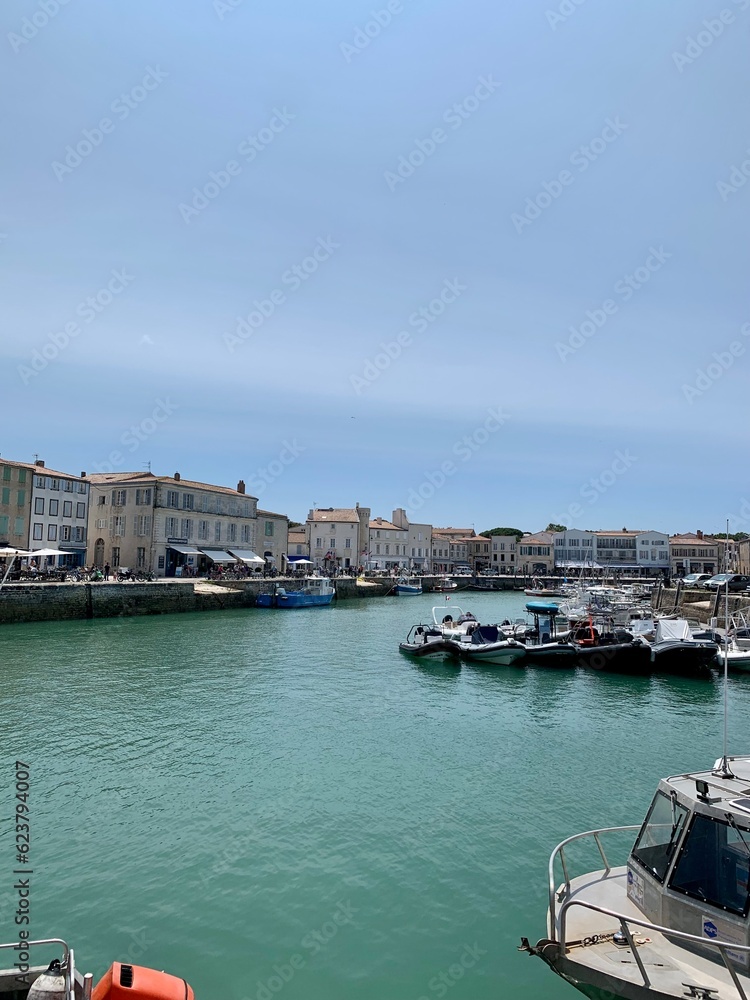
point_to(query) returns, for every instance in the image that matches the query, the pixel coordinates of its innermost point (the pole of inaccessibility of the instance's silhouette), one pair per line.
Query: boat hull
(599, 986)
(437, 649)
(501, 657)
(293, 600)
(403, 590)
(683, 658)
(618, 658)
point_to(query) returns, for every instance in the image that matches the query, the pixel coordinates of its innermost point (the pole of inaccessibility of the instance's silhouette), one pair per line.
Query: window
(54, 507)
(140, 558)
(659, 835)
(388, 550)
(119, 498)
(18, 526)
(217, 531)
(52, 533)
(186, 528)
(269, 529)
(203, 530)
(377, 549)
(245, 533)
(173, 498)
(67, 507)
(347, 543)
(101, 501)
(219, 505)
(64, 532)
(38, 533)
(318, 543)
(204, 503)
(143, 497)
(188, 501)
(54, 484)
(68, 485)
(6, 473)
(170, 526)
(21, 498)
(333, 543)
(142, 525)
(6, 495)
(119, 525)
(232, 507)
(82, 487)
(22, 476)
(79, 533)
(39, 505)
(41, 482)
(115, 556)
(80, 510)
(232, 532)
(714, 863)
(4, 525)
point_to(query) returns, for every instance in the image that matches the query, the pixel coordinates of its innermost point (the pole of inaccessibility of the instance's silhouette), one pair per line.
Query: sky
(487, 262)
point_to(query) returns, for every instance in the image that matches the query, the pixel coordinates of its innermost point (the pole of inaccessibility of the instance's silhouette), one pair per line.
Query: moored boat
(316, 591)
(675, 649)
(427, 641)
(406, 588)
(612, 650)
(487, 644)
(674, 921)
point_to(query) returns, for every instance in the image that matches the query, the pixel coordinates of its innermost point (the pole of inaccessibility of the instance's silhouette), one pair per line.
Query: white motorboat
(735, 656)
(487, 644)
(674, 920)
(453, 621)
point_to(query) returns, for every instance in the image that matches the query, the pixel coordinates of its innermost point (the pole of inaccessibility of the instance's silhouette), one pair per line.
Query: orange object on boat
(126, 982)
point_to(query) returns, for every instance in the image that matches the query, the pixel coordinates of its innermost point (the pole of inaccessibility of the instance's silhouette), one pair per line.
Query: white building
(338, 537)
(387, 546)
(503, 553)
(418, 542)
(59, 514)
(645, 553)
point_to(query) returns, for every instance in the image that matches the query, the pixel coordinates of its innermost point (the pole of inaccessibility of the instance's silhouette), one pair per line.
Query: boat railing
(67, 964)
(724, 948)
(554, 899)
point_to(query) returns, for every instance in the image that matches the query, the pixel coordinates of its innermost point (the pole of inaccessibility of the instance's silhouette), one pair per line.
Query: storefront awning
(185, 550)
(247, 556)
(218, 555)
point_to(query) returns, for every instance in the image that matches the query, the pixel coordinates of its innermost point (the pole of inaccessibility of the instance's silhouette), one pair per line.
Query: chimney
(177, 477)
(40, 463)
(241, 486)
(83, 475)
(699, 534)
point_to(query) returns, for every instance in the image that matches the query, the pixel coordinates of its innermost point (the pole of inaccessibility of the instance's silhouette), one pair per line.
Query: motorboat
(737, 658)
(674, 921)
(487, 644)
(60, 979)
(545, 645)
(427, 641)
(316, 591)
(443, 584)
(675, 650)
(406, 589)
(453, 622)
(609, 648)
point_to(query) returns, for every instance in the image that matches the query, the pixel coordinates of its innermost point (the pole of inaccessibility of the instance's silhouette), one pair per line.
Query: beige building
(480, 554)
(504, 553)
(15, 503)
(338, 537)
(170, 525)
(694, 552)
(418, 542)
(273, 538)
(450, 548)
(536, 553)
(387, 545)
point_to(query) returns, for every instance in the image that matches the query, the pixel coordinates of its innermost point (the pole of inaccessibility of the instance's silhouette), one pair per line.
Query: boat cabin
(545, 614)
(689, 868)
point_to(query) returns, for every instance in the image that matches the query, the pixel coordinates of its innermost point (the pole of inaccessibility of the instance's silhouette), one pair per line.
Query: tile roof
(378, 522)
(270, 513)
(40, 470)
(335, 514)
(104, 478)
(690, 537)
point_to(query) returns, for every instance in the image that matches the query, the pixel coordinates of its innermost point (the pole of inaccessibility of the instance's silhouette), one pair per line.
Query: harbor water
(278, 803)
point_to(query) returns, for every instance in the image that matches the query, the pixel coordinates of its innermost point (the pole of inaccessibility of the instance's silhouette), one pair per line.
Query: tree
(556, 527)
(295, 524)
(503, 531)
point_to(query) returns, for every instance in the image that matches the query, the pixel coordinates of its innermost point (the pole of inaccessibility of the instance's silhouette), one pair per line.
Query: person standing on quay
(106, 571)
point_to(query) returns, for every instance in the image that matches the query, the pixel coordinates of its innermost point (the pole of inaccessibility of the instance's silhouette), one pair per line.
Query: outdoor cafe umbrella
(47, 552)
(13, 553)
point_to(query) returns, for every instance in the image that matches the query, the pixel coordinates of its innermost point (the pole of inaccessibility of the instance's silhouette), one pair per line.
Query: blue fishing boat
(316, 591)
(406, 589)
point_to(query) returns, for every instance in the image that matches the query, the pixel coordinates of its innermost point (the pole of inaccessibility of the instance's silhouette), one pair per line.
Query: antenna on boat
(723, 770)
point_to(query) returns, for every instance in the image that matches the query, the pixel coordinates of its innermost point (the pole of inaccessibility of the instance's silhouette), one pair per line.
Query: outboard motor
(50, 985)
(122, 982)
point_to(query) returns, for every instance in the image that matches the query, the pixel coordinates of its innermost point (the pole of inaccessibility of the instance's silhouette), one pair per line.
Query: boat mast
(724, 770)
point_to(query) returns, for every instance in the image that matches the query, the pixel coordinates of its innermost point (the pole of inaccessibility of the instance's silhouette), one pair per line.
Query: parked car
(736, 582)
(695, 579)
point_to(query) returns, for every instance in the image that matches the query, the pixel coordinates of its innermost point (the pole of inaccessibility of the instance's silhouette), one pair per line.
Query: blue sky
(548, 151)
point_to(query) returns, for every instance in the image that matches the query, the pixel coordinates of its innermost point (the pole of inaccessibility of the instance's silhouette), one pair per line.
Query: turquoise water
(244, 798)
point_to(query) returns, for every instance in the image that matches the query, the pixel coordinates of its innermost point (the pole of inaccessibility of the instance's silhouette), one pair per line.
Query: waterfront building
(575, 549)
(15, 503)
(387, 545)
(504, 553)
(450, 548)
(297, 547)
(694, 552)
(338, 537)
(642, 552)
(536, 553)
(418, 543)
(480, 556)
(273, 538)
(59, 515)
(168, 525)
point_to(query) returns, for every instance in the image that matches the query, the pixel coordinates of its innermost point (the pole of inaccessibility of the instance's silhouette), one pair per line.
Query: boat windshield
(660, 834)
(714, 864)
